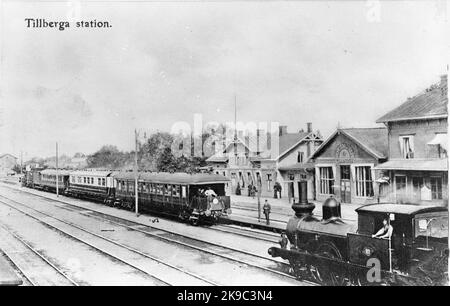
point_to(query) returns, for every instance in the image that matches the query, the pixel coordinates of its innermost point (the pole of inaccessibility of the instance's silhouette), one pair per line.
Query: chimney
(309, 127)
(283, 130)
(444, 85)
(303, 208)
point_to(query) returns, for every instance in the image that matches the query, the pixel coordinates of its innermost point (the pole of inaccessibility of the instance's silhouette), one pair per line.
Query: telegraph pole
(136, 203)
(57, 176)
(21, 162)
(259, 201)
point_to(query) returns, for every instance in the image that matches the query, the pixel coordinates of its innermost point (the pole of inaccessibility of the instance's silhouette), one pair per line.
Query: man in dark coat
(266, 209)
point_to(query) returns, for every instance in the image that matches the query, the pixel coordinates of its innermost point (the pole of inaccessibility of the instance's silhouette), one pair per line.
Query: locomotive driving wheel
(327, 275)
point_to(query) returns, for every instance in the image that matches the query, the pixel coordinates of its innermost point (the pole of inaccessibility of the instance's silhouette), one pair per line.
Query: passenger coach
(179, 194)
(94, 185)
(46, 180)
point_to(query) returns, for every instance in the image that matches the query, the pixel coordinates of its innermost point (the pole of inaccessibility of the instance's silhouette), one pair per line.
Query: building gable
(342, 148)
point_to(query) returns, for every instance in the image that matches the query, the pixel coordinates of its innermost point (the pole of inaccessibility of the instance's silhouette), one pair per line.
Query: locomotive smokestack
(303, 208)
(303, 192)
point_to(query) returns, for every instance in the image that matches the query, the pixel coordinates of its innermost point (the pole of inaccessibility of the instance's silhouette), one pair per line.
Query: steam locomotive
(332, 251)
(174, 194)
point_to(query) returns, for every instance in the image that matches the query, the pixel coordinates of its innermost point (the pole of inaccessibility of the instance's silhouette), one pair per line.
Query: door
(345, 184)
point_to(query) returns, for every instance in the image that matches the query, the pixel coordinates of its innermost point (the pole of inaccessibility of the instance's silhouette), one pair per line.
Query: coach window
(183, 192)
(176, 191)
(167, 190)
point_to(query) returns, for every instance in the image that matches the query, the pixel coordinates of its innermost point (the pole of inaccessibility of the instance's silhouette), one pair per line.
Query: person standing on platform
(266, 209)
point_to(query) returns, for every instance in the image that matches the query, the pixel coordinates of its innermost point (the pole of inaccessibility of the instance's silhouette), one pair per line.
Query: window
(326, 180)
(345, 172)
(417, 184)
(300, 156)
(103, 182)
(167, 189)
(364, 186)
(99, 181)
(183, 192)
(436, 188)
(400, 186)
(269, 180)
(176, 191)
(84, 179)
(407, 146)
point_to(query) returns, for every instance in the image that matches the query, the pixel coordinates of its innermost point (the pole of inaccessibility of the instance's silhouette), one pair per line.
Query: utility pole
(136, 203)
(259, 201)
(57, 176)
(21, 162)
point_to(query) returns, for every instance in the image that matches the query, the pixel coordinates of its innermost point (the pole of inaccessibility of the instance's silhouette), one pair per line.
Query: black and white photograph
(245, 144)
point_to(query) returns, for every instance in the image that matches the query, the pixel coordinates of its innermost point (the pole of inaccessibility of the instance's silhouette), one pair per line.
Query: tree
(166, 162)
(107, 157)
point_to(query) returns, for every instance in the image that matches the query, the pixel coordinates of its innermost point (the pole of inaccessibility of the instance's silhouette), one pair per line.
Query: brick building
(417, 170)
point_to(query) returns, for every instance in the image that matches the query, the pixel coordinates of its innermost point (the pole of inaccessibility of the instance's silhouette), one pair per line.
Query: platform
(274, 226)
(8, 276)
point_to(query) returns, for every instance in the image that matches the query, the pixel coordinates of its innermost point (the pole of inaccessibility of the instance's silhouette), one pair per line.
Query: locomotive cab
(419, 237)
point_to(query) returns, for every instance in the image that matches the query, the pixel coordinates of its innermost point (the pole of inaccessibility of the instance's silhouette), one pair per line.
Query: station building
(344, 164)
(7, 163)
(417, 169)
(244, 163)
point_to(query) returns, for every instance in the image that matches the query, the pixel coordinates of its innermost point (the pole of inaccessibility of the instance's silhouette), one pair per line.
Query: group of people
(208, 193)
(252, 190)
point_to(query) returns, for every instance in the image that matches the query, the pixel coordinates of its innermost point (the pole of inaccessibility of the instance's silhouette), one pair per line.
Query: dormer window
(407, 146)
(300, 156)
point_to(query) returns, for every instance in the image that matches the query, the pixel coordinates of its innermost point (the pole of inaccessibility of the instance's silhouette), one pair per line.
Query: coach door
(345, 184)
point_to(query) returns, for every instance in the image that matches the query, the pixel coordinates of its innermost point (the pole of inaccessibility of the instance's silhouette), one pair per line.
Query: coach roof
(174, 178)
(53, 172)
(101, 173)
(403, 209)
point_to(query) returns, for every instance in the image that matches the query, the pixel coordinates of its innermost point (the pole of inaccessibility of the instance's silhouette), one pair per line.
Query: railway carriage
(177, 194)
(46, 180)
(97, 185)
(333, 251)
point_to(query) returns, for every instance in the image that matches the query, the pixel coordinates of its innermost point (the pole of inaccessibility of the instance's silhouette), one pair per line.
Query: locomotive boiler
(332, 251)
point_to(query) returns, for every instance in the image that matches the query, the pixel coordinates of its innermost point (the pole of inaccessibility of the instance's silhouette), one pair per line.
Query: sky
(333, 63)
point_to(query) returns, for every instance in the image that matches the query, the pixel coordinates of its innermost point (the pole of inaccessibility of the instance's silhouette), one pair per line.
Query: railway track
(250, 233)
(24, 270)
(117, 258)
(254, 260)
